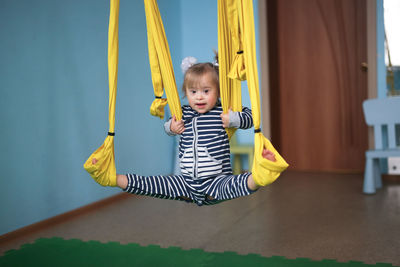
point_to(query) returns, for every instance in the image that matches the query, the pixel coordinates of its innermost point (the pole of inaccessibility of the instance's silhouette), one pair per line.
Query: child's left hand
(225, 119)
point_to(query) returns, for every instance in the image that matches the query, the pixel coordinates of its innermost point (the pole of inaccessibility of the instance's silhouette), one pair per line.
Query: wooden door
(316, 48)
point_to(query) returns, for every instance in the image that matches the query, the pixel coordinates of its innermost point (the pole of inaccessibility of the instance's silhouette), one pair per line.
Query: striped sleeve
(242, 120)
(246, 118)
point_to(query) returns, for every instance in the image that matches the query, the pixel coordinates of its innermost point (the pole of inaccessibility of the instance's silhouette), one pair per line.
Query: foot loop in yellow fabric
(265, 171)
(101, 164)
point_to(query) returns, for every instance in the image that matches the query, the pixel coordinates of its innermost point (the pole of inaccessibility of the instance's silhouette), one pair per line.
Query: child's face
(203, 95)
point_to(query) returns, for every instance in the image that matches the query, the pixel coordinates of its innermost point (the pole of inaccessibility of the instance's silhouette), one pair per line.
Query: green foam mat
(74, 252)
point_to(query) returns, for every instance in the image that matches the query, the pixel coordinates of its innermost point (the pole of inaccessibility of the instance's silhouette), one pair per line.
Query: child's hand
(177, 127)
(268, 155)
(225, 119)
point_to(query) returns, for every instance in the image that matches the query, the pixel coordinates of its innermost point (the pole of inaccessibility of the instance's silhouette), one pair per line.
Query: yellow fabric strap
(162, 72)
(228, 44)
(264, 171)
(235, 50)
(237, 69)
(103, 169)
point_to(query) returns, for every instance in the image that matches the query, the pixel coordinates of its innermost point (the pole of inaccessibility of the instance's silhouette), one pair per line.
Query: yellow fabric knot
(265, 171)
(101, 164)
(238, 68)
(157, 107)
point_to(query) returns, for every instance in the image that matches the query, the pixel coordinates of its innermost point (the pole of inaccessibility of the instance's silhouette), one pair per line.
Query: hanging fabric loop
(228, 41)
(162, 72)
(243, 65)
(264, 171)
(101, 164)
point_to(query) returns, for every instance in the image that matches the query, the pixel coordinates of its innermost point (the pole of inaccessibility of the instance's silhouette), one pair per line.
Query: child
(206, 173)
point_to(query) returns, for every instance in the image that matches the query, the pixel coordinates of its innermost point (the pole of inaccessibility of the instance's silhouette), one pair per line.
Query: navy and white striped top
(204, 146)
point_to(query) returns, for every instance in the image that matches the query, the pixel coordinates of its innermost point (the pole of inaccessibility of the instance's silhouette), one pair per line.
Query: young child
(206, 173)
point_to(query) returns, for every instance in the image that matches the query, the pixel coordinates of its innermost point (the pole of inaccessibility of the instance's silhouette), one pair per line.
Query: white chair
(383, 114)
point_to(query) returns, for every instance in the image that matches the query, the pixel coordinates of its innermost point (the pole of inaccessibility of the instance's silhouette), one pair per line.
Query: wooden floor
(309, 215)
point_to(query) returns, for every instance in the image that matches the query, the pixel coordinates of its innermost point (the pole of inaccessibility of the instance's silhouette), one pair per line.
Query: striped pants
(178, 187)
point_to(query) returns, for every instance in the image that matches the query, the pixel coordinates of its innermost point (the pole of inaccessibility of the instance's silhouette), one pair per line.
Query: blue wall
(54, 104)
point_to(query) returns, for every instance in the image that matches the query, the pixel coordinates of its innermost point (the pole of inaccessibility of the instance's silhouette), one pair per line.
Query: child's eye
(206, 91)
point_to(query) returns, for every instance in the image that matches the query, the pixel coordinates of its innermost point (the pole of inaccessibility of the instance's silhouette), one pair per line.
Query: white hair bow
(187, 62)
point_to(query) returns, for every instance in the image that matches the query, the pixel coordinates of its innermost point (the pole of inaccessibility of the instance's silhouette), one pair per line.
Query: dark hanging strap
(257, 130)
(239, 52)
(111, 134)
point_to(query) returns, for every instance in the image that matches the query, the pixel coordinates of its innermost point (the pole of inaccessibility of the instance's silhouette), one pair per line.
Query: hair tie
(257, 130)
(111, 134)
(187, 62)
(239, 52)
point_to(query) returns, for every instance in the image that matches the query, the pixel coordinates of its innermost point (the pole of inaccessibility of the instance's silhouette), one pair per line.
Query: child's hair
(193, 74)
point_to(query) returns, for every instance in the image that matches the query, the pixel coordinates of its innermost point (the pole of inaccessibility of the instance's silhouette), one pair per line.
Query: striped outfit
(206, 173)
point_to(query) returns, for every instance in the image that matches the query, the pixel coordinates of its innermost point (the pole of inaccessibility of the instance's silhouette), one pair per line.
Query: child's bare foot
(94, 161)
(268, 155)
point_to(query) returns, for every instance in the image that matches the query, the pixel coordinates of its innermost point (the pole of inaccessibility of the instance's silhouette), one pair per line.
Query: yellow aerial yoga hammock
(236, 45)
